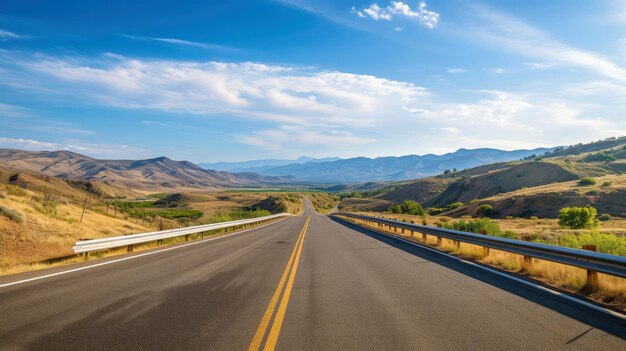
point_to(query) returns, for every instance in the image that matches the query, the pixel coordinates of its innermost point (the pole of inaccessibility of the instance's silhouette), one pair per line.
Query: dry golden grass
(611, 290)
(46, 233)
(25, 267)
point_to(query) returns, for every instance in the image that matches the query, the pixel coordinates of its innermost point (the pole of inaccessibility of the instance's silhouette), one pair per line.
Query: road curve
(304, 283)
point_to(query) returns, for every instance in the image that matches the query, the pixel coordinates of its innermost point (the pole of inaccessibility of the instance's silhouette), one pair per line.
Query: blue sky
(229, 81)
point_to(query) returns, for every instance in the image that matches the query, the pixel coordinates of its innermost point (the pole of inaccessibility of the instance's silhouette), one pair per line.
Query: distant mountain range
(362, 169)
(258, 166)
(160, 172)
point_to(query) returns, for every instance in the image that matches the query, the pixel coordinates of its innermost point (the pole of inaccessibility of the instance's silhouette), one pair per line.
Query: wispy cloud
(8, 110)
(91, 149)
(296, 136)
(293, 107)
(7, 35)
(426, 17)
(175, 41)
(456, 70)
(512, 34)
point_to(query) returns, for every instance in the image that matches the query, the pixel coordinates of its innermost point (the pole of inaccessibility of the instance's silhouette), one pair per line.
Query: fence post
(592, 276)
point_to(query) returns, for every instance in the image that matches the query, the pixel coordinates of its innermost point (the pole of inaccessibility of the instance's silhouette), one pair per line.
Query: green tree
(587, 181)
(578, 217)
(395, 209)
(412, 208)
(408, 207)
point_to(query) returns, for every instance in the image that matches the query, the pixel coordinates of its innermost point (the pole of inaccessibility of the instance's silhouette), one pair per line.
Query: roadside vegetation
(323, 202)
(41, 217)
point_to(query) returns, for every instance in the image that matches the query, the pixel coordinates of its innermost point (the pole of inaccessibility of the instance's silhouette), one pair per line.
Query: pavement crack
(579, 336)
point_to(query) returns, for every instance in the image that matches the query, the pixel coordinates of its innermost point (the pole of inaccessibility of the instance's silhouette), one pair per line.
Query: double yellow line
(292, 264)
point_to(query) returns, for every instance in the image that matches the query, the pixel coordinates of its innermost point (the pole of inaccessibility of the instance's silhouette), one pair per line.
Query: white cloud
(175, 41)
(451, 130)
(299, 109)
(456, 70)
(251, 90)
(297, 137)
(7, 110)
(539, 65)
(6, 35)
(512, 34)
(426, 17)
(92, 149)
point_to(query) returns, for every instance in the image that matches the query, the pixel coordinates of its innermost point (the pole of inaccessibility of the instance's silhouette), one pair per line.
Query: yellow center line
(265, 321)
(272, 338)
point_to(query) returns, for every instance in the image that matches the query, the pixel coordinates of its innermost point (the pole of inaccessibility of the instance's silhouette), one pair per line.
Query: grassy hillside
(538, 186)
(33, 229)
(147, 175)
(323, 202)
(40, 215)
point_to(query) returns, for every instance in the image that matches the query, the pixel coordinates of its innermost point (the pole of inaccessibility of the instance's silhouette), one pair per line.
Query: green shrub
(600, 157)
(533, 218)
(408, 207)
(434, 211)
(586, 181)
(578, 217)
(605, 242)
(482, 226)
(454, 205)
(592, 193)
(11, 214)
(606, 184)
(604, 217)
(473, 201)
(485, 210)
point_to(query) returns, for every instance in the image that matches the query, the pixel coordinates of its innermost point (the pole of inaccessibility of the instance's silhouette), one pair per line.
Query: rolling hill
(363, 169)
(151, 174)
(257, 166)
(535, 187)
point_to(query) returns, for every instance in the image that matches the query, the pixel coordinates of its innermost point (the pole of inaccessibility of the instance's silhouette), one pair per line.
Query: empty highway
(307, 282)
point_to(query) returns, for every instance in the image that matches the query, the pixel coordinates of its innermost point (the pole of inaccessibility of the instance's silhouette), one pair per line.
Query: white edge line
(195, 242)
(505, 275)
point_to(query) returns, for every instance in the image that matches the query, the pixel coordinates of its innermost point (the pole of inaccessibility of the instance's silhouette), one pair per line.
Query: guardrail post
(592, 276)
(527, 262)
(424, 237)
(438, 241)
(187, 237)
(129, 248)
(485, 249)
(160, 242)
(457, 244)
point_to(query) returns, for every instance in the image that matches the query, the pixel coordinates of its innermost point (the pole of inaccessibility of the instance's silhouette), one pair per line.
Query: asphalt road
(304, 283)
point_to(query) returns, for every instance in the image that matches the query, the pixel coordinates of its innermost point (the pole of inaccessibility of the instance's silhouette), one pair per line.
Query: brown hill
(607, 196)
(151, 174)
(527, 174)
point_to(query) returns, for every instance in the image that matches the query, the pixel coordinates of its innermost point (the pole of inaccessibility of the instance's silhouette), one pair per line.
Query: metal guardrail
(86, 246)
(593, 262)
